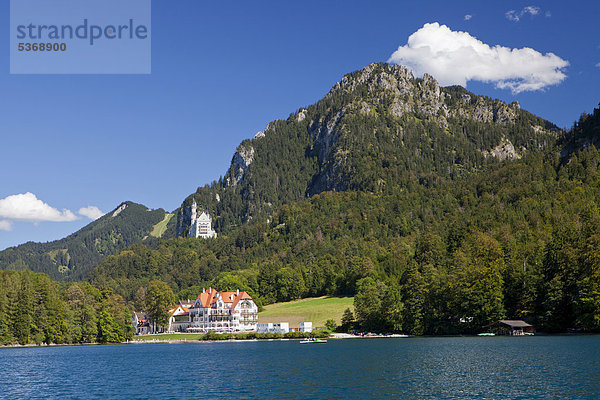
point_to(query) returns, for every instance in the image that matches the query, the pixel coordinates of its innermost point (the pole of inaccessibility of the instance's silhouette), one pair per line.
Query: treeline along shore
(36, 309)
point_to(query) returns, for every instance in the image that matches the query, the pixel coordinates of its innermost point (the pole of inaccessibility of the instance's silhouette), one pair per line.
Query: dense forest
(73, 257)
(36, 309)
(517, 239)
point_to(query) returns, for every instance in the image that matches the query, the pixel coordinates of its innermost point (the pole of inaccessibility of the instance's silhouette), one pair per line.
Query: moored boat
(313, 340)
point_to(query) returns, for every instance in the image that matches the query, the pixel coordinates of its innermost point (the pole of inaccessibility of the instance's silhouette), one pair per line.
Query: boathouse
(511, 327)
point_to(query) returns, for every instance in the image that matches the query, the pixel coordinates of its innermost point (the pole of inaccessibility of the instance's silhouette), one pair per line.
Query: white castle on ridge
(201, 224)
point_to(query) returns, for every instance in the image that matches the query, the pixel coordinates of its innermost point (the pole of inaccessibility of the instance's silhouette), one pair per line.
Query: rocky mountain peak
(422, 96)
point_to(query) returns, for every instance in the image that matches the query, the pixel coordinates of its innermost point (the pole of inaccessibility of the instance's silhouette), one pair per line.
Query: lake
(539, 367)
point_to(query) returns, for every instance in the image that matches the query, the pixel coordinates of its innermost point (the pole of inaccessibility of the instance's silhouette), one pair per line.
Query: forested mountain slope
(378, 130)
(73, 257)
(515, 239)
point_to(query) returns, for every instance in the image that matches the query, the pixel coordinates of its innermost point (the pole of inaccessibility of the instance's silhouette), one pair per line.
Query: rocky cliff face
(505, 150)
(242, 158)
(424, 96)
(376, 128)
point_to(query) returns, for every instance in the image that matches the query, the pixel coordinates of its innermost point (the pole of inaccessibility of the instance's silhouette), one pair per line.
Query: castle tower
(194, 207)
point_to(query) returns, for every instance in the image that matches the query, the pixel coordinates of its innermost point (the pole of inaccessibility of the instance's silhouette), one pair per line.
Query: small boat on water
(486, 334)
(313, 340)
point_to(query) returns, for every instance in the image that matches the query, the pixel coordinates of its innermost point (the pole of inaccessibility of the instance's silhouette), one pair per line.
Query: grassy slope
(317, 310)
(160, 228)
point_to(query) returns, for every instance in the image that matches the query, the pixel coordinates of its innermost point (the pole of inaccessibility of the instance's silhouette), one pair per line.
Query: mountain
(516, 239)
(377, 130)
(439, 210)
(74, 257)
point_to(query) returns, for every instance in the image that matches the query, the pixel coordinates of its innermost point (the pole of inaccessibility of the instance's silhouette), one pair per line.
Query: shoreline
(334, 336)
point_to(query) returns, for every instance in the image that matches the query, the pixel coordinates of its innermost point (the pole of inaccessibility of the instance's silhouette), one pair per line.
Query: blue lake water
(410, 368)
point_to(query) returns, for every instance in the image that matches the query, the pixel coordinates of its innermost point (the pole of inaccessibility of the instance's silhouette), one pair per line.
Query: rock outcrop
(505, 150)
(242, 158)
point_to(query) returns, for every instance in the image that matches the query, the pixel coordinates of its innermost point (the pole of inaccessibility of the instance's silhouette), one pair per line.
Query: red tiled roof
(240, 296)
(209, 297)
(184, 310)
(227, 296)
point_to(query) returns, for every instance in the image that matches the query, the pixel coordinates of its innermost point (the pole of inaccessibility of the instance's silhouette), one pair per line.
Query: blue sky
(220, 72)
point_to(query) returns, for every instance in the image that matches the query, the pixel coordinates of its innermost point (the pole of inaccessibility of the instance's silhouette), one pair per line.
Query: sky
(75, 146)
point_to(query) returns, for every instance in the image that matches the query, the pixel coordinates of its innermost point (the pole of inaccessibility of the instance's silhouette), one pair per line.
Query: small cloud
(92, 212)
(548, 14)
(5, 225)
(512, 15)
(598, 65)
(516, 16)
(533, 10)
(468, 17)
(455, 57)
(27, 207)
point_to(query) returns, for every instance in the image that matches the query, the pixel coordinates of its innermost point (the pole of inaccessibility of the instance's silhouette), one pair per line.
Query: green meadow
(316, 309)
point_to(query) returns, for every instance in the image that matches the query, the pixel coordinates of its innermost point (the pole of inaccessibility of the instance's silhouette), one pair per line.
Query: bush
(330, 324)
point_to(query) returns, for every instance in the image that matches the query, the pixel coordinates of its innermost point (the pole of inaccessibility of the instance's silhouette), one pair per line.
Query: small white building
(273, 327)
(264, 327)
(201, 225)
(306, 327)
(179, 320)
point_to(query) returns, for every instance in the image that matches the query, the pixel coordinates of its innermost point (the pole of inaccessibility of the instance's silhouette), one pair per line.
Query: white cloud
(5, 225)
(512, 15)
(598, 65)
(455, 57)
(92, 212)
(533, 10)
(516, 16)
(27, 207)
(468, 17)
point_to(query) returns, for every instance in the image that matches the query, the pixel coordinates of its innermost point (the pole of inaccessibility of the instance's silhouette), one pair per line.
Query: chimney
(238, 292)
(203, 290)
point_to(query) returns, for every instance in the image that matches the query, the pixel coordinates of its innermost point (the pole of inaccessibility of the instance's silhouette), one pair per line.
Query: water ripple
(413, 368)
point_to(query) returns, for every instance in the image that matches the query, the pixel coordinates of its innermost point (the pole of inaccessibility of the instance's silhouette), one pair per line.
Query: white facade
(273, 327)
(179, 320)
(201, 225)
(223, 312)
(306, 327)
